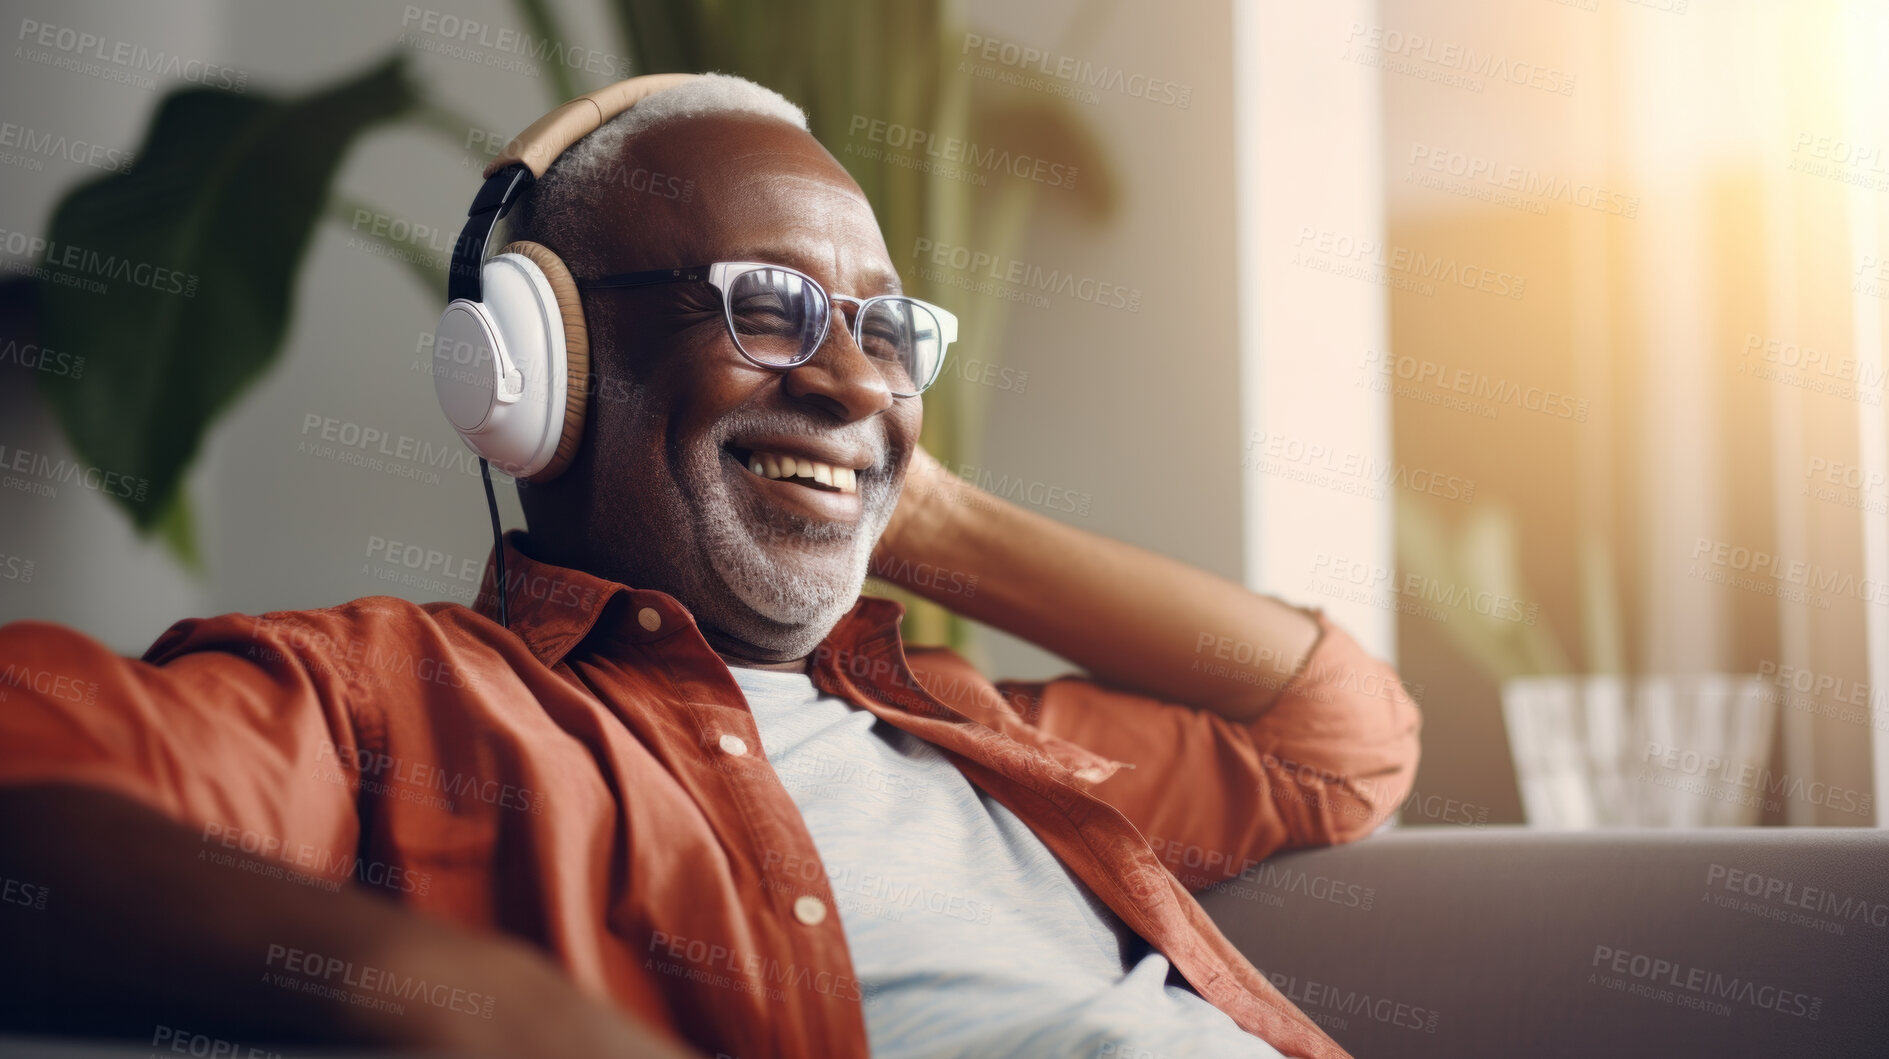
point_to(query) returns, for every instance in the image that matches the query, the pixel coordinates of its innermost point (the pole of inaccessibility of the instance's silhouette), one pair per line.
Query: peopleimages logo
(1469, 64)
(1764, 568)
(955, 151)
(40, 475)
(391, 774)
(324, 975)
(34, 357)
(37, 142)
(1506, 184)
(1352, 472)
(1836, 688)
(78, 266)
(1795, 899)
(502, 40)
(1745, 776)
(15, 568)
(1019, 274)
(319, 863)
(23, 894)
(185, 1042)
(1657, 978)
(1339, 253)
(1802, 367)
(70, 48)
(1482, 602)
(1307, 992)
(1081, 75)
(375, 449)
(50, 684)
(713, 963)
(1481, 394)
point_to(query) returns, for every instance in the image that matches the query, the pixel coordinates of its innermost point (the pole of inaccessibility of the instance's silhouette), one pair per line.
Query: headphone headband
(543, 140)
(533, 151)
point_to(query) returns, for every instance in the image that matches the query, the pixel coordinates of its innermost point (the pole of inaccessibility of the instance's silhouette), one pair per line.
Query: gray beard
(770, 578)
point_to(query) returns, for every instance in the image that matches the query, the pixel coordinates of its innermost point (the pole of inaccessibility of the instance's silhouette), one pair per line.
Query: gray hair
(564, 202)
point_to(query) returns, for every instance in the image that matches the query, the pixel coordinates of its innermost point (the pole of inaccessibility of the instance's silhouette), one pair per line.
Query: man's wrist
(930, 504)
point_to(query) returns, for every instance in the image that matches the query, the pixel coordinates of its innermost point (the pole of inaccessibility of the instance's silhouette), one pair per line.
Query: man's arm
(1127, 615)
(121, 783)
(139, 933)
(1239, 726)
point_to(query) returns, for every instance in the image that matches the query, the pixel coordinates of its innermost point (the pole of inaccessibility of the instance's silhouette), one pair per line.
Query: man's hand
(1125, 614)
(927, 494)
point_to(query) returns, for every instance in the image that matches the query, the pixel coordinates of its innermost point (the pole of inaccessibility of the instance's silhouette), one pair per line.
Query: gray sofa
(1520, 944)
(1514, 943)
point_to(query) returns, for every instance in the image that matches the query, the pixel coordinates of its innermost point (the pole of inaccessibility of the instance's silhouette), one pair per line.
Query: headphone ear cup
(576, 352)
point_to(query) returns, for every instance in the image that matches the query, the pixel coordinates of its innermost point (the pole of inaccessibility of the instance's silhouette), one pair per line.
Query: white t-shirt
(969, 935)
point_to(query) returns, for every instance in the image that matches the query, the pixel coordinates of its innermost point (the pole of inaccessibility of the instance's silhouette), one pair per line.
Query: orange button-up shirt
(592, 781)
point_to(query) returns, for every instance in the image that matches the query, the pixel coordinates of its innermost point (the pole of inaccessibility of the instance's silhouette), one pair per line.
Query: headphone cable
(498, 539)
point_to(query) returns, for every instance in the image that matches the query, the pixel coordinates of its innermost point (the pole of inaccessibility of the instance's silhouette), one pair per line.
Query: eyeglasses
(779, 317)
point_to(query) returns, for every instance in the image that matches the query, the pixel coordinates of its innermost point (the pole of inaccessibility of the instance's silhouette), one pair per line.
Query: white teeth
(773, 465)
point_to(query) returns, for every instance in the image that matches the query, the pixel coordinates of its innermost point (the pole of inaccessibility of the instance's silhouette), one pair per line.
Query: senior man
(698, 795)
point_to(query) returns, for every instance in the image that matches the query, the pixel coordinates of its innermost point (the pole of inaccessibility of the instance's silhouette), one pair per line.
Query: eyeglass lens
(778, 317)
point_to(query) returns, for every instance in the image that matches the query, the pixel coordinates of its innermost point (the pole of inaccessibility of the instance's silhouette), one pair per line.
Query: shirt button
(649, 619)
(810, 910)
(734, 744)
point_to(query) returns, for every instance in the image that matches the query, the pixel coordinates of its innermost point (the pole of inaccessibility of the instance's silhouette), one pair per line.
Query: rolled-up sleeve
(226, 724)
(1330, 759)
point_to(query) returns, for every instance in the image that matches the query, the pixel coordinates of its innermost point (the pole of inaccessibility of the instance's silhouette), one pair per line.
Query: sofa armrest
(1510, 942)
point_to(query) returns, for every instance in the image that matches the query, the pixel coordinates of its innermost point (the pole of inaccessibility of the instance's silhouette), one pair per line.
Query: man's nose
(840, 377)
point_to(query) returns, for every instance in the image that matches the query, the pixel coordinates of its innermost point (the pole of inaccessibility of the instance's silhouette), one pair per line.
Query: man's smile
(815, 482)
(801, 470)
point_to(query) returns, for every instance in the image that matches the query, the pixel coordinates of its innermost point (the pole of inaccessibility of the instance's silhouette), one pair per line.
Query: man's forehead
(809, 223)
(734, 155)
(758, 189)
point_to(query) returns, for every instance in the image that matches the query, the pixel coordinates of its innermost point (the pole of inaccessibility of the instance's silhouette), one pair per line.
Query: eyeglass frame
(722, 274)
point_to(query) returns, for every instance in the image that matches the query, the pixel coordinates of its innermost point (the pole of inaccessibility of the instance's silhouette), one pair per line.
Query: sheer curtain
(1752, 340)
(1701, 220)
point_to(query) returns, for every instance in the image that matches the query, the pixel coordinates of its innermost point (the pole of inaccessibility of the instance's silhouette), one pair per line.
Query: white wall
(1309, 129)
(1139, 410)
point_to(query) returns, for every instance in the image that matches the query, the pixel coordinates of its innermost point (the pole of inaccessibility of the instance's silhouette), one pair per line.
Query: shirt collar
(554, 608)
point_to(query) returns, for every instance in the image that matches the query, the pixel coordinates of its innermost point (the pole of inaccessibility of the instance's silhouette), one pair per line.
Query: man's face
(662, 494)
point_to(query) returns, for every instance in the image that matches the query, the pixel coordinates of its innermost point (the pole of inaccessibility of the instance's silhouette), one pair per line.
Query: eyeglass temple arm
(646, 279)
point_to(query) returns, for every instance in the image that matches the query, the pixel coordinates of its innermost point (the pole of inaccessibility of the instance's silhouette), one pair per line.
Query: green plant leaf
(661, 35)
(196, 250)
(178, 531)
(544, 26)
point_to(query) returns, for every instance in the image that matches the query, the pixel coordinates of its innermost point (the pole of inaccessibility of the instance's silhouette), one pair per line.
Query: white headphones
(511, 354)
(501, 367)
